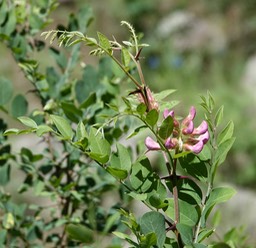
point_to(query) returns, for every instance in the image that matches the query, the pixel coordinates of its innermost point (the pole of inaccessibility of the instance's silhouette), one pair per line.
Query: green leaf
(141, 177)
(163, 94)
(104, 42)
(42, 129)
(59, 57)
(219, 116)
(190, 192)
(124, 157)
(81, 131)
(91, 41)
(78, 196)
(211, 102)
(139, 197)
(205, 154)
(89, 101)
(11, 131)
(117, 173)
(127, 103)
(80, 233)
(100, 148)
(204, 233)
(101, 158)
(152, 117)
(217, 195)
(198, 246)
(111, 222)
(88, 84)
(125, 57)
(136, 131)
(123, 236)
(188, 213)
(10, 26)
(82, 144)
(226, 133)
(3, 233)
(71, 111)
(6, 90)
(223, 150)
(27, 121)
(166, 128)
(5, 174)
(141, 109)
(154, 222)
(167, 105)
(19, 106)
(149, 240)
(8, 221)
(156, 201)
(3, 11)
(194, 166)
(39, 188)
(127, 43)
(97, 142)
(186, 233)
(63, 126)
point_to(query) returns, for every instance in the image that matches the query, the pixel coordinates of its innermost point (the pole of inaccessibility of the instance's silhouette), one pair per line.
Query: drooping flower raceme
(185, 137)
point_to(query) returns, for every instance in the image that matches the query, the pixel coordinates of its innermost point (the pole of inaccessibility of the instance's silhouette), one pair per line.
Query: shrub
(84, 121)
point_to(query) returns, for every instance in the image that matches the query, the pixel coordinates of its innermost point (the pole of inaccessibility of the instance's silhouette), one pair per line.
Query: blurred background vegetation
(195, 46)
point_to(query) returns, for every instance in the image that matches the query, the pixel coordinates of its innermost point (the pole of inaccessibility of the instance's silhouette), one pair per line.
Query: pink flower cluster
(184, 136)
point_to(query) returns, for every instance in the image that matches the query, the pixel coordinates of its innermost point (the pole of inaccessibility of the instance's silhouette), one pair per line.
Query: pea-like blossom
(185, 137)
(147, 98)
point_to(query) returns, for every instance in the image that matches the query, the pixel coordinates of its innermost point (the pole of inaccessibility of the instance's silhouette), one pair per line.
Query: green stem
(117, 62)
(175, 192)
(209, 189)
(137, 63)
(213, 169)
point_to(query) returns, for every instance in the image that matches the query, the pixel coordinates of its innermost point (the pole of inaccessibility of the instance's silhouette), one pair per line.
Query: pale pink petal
(170, 143)
(151, 144)
(190, 117)
(202, 128)
(189, 128)
(192, 113)
(168, 113)
(204, 137)
(197, 148)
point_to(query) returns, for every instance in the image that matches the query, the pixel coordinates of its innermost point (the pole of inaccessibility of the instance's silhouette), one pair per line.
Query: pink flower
(189, 128)
(202, 128)
(170, 143)
(168, 113)
(197, 148)
(190, 117)
(184, 135)
(151, 144)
